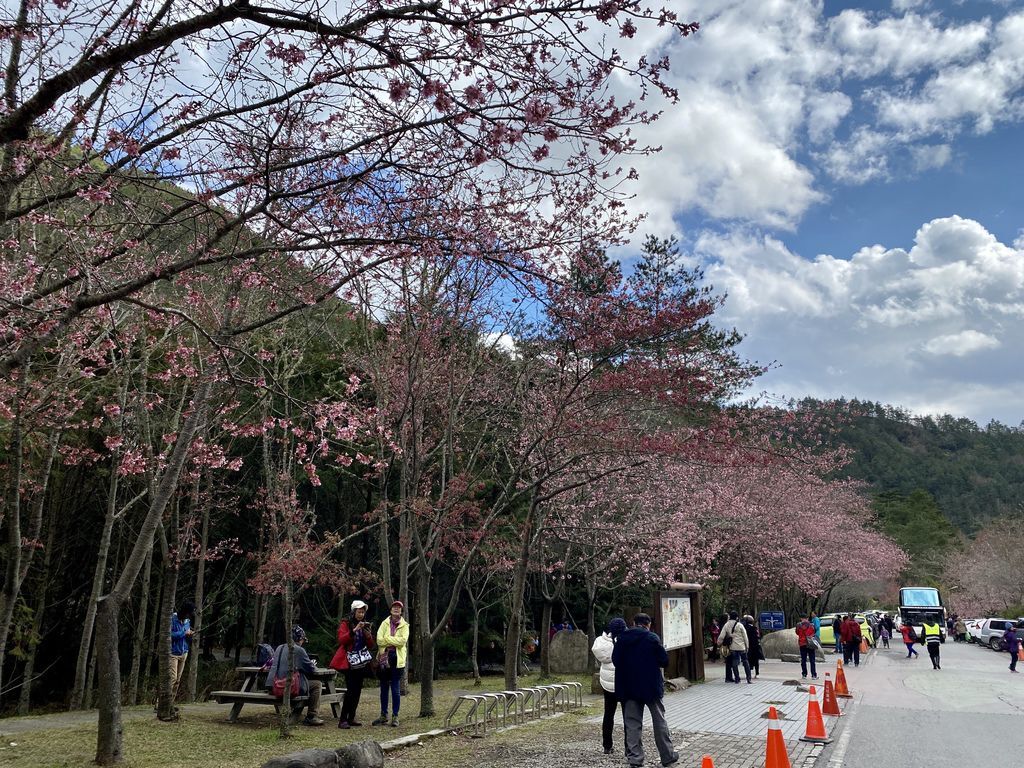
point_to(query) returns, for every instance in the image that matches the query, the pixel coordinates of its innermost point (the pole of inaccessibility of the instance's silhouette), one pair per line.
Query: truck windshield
(920, 597)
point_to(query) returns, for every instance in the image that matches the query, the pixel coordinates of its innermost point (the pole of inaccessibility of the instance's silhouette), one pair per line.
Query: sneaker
(814, 677)
(382, 720)
(673, 761)
(804, 677)
(313, 721)
(394, 721)
(354, 724)
(343, 724)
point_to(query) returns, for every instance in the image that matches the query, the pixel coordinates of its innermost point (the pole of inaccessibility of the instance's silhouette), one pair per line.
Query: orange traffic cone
(775, 756)
(815, 731)
(864, 645)
(1020, 653)
(842, 690)
(831, 705)
(707, 762)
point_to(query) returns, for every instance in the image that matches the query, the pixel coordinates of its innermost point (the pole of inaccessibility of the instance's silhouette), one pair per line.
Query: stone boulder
(307, 758)
(570, 653)
(362, 754)
(782, 644)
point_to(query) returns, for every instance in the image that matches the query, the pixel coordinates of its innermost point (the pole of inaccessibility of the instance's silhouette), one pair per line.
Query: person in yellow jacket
(932, 637)
(392, 645)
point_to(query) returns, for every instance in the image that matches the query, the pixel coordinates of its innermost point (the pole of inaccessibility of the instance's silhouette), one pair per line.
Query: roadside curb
(419, 738)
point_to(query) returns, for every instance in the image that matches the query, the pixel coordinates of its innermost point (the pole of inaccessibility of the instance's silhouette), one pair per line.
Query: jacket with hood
(733, 628)
(639, 657)
(602, 650)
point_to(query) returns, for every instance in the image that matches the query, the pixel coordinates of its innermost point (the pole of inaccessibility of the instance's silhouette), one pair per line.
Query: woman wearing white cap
(355, 651)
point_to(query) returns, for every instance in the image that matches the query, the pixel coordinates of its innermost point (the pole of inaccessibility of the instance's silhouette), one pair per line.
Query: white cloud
(900, 46)
(906, 326)
(977, 94)
(961, 344)
(778, 100)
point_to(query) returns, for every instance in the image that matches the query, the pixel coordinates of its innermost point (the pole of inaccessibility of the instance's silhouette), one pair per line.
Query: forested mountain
(973, 473)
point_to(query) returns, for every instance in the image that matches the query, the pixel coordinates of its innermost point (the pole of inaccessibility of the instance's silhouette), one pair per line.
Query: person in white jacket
(602, 650)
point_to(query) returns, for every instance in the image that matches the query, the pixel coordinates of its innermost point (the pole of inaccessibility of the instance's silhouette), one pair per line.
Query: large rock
(362, 754)
(307, 758)
(776, 645)
(570, 652)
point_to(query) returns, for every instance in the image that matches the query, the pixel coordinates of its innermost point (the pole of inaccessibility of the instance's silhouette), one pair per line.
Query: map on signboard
(676, 623)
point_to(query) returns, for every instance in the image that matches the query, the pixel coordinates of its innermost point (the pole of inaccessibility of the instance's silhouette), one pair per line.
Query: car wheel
(994, 643)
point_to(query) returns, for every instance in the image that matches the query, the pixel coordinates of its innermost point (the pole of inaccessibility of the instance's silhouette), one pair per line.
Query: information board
(676, 622)
(771, 621)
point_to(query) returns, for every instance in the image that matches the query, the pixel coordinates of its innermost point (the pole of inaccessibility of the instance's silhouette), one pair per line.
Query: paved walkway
(729, 721)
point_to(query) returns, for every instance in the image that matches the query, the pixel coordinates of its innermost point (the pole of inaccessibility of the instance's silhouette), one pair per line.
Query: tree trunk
(592, 665)
(9, 593)
(285, 719)
(139, 640)
(545, 648)
(25, 695)
(474, 651)
(197, 626)
(98, 578)
(515, 620)
(110, 733)
(109, 737)
(425, 669)
(165, 709)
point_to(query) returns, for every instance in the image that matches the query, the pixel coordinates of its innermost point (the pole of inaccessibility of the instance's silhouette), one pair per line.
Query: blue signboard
(771, 621)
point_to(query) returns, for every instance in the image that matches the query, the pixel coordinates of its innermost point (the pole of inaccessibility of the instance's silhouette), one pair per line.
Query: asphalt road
(970, 712)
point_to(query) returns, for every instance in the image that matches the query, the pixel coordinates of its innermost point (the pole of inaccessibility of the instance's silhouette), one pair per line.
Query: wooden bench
(240, 698)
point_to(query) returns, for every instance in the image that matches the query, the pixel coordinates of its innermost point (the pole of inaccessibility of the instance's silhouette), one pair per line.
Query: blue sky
(851, 175)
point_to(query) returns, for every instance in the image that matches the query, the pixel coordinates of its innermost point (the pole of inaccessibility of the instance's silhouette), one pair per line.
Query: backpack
(727, 640)
(264, 656)
(912, 635)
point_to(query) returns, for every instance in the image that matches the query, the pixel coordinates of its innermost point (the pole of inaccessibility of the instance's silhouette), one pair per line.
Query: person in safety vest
(932, 638)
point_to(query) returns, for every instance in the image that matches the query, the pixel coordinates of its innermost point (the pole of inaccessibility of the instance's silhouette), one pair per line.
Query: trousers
(633, 719)
(611, 704)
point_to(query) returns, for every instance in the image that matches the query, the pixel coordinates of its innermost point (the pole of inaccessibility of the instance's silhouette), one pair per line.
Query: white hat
(357, 604)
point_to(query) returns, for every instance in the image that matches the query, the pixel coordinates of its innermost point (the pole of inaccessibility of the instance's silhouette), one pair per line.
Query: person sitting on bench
(305, 667)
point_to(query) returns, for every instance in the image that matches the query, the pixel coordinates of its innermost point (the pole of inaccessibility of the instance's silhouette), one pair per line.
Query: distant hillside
(973, 473)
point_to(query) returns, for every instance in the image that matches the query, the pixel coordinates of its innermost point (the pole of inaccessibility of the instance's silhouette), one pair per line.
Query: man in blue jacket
(639, 658)
(306, 669)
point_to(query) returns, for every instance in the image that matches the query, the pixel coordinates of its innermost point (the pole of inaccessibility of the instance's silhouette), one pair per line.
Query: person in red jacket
(355, 643)
(908, 640)
(851, 635)
(804, 633)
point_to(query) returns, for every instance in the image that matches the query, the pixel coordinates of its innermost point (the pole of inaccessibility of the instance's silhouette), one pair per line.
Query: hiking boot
(394, 721)
(314, 720)
(354, 724)
(382, 720)
(343, 724)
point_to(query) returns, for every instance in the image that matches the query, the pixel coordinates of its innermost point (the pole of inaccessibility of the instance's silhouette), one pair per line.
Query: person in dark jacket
(639, 658)
(1012, 639)
(306, 669)
(753, 644)
(354, 636)
(837, 626)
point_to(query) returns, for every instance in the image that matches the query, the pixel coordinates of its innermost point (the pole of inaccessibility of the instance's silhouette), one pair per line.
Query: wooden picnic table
(253, 692)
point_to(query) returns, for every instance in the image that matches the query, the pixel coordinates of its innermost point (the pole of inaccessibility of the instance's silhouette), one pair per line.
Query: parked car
(992, 631)
(828, 638)
(974, 629)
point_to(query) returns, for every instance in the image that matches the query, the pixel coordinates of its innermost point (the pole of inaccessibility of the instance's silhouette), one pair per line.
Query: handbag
(281, 683)
(360, 658)
(815, 643)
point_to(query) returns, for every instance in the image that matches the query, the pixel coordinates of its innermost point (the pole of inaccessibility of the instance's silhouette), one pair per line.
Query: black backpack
(264, 655)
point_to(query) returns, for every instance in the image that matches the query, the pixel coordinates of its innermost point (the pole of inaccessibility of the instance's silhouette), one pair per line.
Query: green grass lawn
(204, 739)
